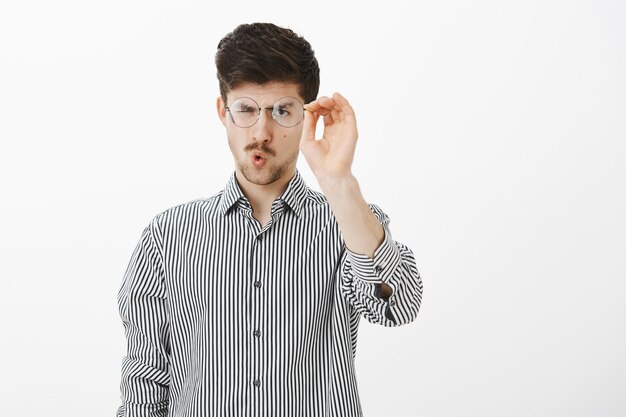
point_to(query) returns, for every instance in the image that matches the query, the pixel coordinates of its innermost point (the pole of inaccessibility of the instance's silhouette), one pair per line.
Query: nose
(263, 126)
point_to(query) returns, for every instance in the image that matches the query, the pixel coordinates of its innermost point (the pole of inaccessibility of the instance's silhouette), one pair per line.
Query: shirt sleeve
(394, 264)
(142, 306)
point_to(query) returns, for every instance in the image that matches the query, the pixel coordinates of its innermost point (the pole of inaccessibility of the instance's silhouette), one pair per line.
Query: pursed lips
(260, 149)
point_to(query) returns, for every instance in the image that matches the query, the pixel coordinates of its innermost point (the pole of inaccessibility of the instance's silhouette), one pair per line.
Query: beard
(271, 172)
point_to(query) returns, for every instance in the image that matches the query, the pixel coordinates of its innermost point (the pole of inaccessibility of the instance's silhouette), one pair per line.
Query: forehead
(264, 94)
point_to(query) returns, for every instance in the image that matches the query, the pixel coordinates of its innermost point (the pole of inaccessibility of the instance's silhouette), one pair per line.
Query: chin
(265, 177)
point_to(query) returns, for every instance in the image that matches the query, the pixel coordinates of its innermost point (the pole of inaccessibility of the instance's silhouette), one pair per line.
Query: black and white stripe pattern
(224, 317)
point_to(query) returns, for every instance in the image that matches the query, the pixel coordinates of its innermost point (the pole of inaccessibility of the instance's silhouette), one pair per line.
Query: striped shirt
(226, 317)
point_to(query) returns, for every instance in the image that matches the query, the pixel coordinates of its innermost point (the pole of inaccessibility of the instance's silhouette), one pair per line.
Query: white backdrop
(493, 133)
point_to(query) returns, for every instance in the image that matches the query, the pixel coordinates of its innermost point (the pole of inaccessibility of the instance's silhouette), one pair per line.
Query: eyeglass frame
(232, 119)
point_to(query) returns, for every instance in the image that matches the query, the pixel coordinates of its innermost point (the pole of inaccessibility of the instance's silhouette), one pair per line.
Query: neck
(260, 196)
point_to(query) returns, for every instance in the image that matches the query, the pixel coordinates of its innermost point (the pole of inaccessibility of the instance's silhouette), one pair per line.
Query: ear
(221, 110)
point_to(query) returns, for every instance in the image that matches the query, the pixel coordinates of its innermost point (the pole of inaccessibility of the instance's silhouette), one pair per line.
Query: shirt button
(257, 284)
(257, 383)
(257, 333)
(378, 268)
(392, 302)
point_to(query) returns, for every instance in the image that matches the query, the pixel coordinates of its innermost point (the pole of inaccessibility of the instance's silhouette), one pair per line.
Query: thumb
(308, 127)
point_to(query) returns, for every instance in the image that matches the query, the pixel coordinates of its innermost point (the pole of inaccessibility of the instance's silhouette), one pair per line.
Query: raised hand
(332, 154)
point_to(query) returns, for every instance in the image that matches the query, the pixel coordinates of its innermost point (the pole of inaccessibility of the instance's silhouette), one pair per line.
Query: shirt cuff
(381, 267)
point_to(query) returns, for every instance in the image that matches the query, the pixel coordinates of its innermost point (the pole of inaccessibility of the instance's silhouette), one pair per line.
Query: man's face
(266, 151)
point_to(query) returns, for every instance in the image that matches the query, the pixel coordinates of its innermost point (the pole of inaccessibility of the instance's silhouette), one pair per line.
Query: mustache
(263, 148)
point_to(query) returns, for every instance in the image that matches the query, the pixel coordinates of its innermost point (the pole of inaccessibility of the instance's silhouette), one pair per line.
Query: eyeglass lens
(287, 111)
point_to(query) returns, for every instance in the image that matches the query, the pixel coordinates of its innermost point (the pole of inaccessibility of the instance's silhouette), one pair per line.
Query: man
(247, 303)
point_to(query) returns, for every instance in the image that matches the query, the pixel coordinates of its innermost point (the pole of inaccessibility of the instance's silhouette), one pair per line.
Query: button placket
(257, 300)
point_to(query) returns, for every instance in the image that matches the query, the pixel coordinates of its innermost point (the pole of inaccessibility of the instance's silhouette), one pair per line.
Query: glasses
(245, 112)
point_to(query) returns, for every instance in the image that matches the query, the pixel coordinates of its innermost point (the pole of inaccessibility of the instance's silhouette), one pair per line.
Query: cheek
(234, 145)
(235, 137)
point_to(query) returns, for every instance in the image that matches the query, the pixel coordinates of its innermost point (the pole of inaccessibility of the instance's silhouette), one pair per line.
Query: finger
(315, 105)
(337, 107)
(328, 119)
(328, 103)
(343, 105)
(331, 108)
(323, 106)
(308, 127)
(319, 112)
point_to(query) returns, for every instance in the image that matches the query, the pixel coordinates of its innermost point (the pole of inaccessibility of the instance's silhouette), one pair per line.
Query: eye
(245, 109)
(282, 111)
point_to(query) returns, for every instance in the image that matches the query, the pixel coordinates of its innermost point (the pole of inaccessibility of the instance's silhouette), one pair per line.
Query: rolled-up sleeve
(142, 305)
(393, 264)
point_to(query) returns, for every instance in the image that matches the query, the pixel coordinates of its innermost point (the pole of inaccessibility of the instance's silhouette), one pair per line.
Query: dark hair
(259, 53)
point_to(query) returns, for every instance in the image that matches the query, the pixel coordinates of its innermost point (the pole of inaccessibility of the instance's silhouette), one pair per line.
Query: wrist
(337, 182)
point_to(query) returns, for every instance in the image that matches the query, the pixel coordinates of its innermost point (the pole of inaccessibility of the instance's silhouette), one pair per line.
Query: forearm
(361, 230)
(359, 227)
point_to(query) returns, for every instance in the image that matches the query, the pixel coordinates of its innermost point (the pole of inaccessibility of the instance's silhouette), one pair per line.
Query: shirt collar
(294, 195)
